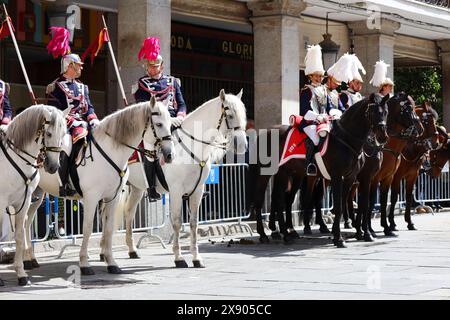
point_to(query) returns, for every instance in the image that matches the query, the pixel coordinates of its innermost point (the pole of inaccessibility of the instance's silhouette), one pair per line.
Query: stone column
(445, 65)
(373, 44)
(276, 60)
(138, 19)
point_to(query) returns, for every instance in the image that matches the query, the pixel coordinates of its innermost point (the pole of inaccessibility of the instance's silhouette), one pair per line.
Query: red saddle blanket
(134, 157)
(294, 147)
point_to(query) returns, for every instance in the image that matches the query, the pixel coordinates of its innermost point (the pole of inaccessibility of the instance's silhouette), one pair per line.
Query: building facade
(258, 45)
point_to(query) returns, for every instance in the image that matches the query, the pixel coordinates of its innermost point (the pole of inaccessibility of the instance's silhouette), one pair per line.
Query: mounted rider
(352, 95)
(380, 80)
(69, 94)
(166, 88)
(5, 107)
(315, 101)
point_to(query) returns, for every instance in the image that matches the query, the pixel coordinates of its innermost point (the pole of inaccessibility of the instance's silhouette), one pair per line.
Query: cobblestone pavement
(415, 265)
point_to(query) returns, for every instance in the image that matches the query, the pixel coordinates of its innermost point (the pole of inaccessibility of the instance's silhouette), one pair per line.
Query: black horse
(344, 147)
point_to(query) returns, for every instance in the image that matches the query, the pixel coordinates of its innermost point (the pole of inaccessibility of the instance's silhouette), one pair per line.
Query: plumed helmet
(150, 51)
(313, 60)
(68, 59)
(342, 69)
(380, 78)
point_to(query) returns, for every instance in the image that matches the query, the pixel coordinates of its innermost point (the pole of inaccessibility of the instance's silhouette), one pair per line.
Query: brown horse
(390, 163)
(412, 158)
(439, 156)
(346, 140)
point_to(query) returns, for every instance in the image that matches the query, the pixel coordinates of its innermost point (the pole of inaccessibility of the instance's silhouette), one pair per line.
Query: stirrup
(311, 170)
(66, 191)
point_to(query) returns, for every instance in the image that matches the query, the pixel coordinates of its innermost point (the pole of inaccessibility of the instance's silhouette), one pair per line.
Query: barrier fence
(226, 202)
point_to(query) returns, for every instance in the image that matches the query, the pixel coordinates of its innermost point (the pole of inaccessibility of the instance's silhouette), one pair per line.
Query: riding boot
(150, 173)
(63, 171)
(311, 169)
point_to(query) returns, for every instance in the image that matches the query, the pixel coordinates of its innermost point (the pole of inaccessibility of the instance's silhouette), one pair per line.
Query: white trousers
(312, 133)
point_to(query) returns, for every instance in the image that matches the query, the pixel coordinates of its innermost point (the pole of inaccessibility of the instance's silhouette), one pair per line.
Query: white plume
(342, 69)
(313, 60)
(380, 73)
(356, 66)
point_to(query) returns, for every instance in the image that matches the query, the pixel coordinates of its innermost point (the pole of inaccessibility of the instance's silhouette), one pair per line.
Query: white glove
(310, 115)
(94, 123)
(336, 113)
(176, 122)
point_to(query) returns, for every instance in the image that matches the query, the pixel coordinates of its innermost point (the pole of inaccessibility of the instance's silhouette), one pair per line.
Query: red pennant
(4, 29)
(96, 45)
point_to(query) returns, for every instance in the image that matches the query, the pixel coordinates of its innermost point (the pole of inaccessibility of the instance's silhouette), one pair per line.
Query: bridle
(40, 139)
(406, 133)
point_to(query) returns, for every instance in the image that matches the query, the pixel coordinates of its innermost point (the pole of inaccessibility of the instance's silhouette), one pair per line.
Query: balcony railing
(437, 3)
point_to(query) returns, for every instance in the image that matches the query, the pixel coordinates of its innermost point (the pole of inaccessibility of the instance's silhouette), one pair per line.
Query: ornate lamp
(330, 49)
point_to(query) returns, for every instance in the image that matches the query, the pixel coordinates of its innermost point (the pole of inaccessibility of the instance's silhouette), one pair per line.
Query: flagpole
(30, 90)
(113, 57)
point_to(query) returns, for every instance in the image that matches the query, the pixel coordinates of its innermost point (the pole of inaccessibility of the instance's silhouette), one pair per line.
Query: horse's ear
(222, 95)
(47, 114)
(152, 101)
(239, 95)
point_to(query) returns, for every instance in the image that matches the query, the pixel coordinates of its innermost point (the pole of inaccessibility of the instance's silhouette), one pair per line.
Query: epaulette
(50, 87)
(134, 87)
(178, 80)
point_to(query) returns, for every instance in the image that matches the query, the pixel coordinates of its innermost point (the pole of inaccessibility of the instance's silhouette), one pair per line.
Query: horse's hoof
(324, 230)
(24, 281)
(373, 234)
(28, 265)
(294, 234)
(393, 227)
(181, 264)
(198, 264)
(87, 271)
(133, 255)
(2, 284)
(102, 257)
(359, 236)
(275, 236)
(114, 270)
(389, 233)
(307, 230)
(411, 226)
(368, 237)
(35, 263)
(347, 225)
(264, 239)
(340, 243)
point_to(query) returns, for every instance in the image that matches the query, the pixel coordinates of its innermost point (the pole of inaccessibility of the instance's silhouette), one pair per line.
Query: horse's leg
(176, 203)
(318, 197)
(351, 196)
(290, 197)
(194, 204)
(336, 187)
(395, 190)
(108, 231)
(130, 212)
(410, 182)
(90, 203)
(280, 186)
(21, 243)
(384, 189)
(30, 261)
(261, 186)
(346, 191)
(307, 197)
(372, 199)
(363, 210)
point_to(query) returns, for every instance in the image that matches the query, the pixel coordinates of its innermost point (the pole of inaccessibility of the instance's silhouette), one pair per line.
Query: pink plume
(59, 44)
(150, 49)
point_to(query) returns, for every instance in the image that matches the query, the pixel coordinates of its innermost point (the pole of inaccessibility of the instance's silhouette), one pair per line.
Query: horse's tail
(250, 187)
(120, 208)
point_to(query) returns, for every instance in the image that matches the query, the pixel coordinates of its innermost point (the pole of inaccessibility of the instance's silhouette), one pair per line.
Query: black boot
(311, 168)
(63, 171)
(150, 173)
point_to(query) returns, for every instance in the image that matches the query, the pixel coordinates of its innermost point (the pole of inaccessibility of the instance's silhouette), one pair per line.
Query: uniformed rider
(166, 88)
(5, 107)
(352, 94)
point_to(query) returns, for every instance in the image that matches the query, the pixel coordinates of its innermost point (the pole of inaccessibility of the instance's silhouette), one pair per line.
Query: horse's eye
(159, 125)
(48, 134)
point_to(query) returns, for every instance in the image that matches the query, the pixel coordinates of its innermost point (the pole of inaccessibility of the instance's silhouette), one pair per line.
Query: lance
(113, 57)
(33, 98)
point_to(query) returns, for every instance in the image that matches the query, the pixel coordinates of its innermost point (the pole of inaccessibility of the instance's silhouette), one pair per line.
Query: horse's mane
(125, 123)
(354, 110)
(24, 127)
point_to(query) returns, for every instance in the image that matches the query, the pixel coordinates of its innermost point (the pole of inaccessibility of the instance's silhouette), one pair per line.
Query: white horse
(37, 131)
(104, 173)
(203, 138)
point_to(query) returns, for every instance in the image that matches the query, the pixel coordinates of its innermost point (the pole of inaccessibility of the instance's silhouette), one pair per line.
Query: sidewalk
(415, 265)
